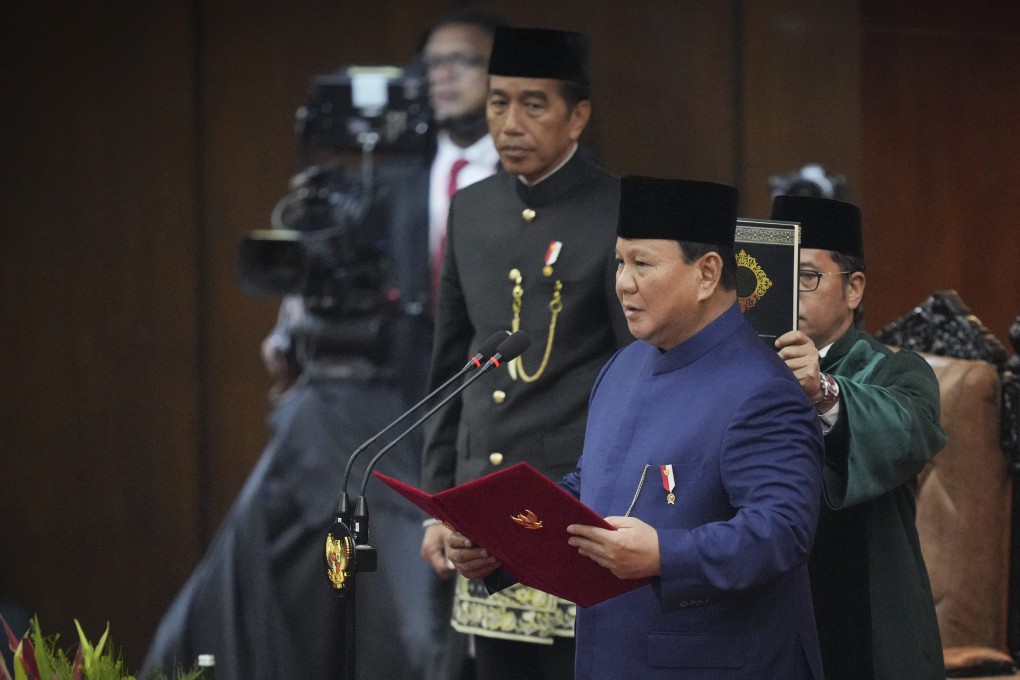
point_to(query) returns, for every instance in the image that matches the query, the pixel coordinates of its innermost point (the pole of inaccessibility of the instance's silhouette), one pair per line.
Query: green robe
(872, 596)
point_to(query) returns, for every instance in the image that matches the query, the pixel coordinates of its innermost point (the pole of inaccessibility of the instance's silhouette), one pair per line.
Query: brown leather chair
(964, 505)
(965, 495)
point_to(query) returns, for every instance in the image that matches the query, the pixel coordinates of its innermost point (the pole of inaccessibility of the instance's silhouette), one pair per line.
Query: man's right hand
(433, 550)
(801, 357)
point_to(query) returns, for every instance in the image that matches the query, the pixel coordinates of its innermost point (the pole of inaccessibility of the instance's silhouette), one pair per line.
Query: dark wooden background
(140, 141)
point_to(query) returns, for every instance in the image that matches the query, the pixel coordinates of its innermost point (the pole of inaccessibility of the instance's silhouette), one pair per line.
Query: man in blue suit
(704, 454)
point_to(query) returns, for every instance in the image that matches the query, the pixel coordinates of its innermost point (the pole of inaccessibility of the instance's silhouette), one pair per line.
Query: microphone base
(367, 560)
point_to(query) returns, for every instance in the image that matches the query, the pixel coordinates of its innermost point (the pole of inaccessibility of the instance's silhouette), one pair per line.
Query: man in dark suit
(454, 55)
(528, 249)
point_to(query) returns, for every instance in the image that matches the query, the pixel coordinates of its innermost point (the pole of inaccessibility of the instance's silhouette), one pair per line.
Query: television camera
(327, 241)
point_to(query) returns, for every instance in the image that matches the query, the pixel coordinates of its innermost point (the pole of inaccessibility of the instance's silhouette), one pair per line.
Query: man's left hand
(469, 559)
(631, 551)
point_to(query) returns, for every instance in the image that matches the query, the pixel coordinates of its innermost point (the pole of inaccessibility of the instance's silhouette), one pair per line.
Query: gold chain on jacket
(516, 367)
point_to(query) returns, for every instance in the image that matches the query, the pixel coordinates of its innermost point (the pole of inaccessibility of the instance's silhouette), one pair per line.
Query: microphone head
(491, 344)
(513, 346)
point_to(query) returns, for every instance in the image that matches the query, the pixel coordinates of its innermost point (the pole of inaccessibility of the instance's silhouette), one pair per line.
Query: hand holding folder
(521, 517)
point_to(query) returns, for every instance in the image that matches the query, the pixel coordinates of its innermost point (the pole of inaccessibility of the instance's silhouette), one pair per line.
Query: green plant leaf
(86, 648)
(42, 659)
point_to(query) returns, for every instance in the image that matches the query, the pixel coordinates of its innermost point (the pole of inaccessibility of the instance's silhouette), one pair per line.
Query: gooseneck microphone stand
(348, 551)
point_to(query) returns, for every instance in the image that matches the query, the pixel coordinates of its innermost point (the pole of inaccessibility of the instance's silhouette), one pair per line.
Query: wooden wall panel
(667, 88)
(801, 94)
(941, 191)
(98, 420)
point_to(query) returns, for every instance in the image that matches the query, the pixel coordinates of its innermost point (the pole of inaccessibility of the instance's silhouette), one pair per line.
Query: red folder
(521, 517)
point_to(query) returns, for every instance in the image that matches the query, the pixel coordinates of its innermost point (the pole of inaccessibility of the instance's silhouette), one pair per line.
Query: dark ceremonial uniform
(735, 524)
(490, 236)
(873, 601)
(555, 241)
(260, 599)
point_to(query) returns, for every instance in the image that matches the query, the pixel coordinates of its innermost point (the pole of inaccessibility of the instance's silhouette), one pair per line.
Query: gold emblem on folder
(527, 519)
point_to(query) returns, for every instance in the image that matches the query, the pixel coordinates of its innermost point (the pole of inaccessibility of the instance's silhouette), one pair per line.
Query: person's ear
(855, 290)
(710, 266)
(579, 117)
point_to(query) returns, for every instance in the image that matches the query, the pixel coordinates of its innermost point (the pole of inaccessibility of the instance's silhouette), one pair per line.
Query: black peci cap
(677, 209)
(540, 53)
(825, 223)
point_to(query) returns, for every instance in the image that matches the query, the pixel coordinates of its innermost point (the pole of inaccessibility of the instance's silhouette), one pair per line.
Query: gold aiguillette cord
(516, 367)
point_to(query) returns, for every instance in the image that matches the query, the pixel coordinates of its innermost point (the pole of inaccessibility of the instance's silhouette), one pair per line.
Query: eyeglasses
(809, 279)
(458, 62)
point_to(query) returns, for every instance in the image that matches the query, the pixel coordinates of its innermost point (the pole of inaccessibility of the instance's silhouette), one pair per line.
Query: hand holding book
(520, 517)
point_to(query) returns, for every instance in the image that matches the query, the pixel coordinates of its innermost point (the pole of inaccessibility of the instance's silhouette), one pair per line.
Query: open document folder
(521, 517)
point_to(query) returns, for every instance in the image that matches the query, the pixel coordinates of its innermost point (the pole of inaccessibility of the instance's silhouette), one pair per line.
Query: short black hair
(691, 251)
(574, 92)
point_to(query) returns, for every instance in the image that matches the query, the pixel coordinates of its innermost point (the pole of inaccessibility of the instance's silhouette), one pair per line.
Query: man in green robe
(880, 414)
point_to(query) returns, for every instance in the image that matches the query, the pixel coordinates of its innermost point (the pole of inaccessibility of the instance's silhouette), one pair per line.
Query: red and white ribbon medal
(552, 253)
(668, 483)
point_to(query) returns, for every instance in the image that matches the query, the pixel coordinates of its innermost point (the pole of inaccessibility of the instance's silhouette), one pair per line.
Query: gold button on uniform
(498, 397)
(496, 458)
(528, 214)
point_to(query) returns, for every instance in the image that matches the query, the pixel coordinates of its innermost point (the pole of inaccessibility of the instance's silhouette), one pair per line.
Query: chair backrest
(964, 505)
(965, 497)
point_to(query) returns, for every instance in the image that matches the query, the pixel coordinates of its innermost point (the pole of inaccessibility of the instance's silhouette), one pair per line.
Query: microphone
(487, 349)
(508, 350)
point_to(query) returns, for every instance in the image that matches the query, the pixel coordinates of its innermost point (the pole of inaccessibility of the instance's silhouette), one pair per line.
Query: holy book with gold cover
(768, 261)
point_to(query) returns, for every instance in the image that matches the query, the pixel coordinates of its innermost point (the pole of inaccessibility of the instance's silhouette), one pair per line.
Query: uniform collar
(702, 342)
(563, 180)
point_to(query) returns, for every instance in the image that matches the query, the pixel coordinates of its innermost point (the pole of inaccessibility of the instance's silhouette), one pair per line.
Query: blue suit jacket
(733, 598)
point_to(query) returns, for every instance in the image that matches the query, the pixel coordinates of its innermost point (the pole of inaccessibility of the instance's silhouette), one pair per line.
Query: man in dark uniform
(531, 249)
(880, 413)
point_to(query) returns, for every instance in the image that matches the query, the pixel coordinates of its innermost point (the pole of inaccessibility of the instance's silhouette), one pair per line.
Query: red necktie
(437, 264)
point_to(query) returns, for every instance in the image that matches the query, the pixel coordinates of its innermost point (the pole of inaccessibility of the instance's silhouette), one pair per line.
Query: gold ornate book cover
(768, 259)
